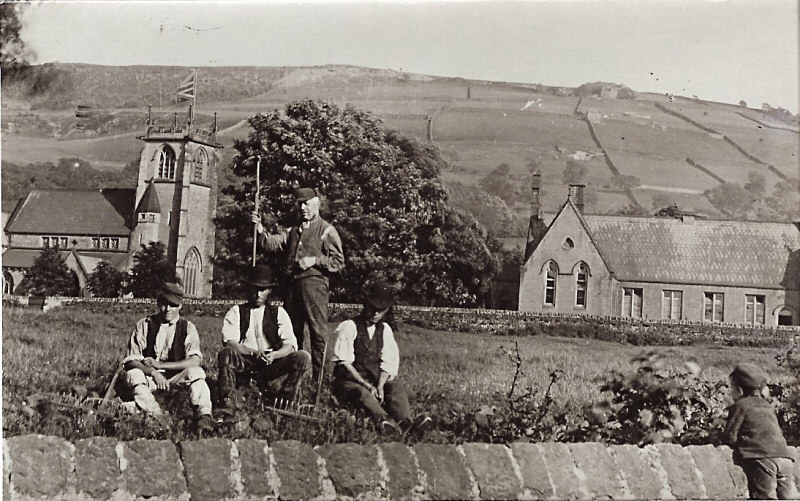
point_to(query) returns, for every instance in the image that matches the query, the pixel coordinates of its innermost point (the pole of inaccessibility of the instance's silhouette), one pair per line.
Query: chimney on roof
(536, 184)
(576, 196)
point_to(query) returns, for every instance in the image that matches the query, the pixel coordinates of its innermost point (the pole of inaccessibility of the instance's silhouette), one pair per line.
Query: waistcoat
(177, 351)
(269, 326)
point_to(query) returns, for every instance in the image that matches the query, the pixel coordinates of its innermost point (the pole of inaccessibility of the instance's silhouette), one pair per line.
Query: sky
(718, 50)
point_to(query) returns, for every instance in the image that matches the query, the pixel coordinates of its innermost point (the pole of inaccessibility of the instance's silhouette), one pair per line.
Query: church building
(174, 203)
(680, 268)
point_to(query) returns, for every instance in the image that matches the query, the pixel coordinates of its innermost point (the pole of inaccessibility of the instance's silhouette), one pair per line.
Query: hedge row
(640, 332)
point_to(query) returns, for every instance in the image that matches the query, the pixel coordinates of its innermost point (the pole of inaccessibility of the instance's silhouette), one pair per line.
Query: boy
(752, 430)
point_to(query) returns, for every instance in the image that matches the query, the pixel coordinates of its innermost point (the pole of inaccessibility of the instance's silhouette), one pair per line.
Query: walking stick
(258, 196)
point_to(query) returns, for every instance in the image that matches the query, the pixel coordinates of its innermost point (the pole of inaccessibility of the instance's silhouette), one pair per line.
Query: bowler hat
(172, 293)
(260, 275)
(379, 296)
(304, 194)
(749, 376)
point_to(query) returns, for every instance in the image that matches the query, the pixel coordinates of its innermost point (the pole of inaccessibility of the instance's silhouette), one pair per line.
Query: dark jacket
(752, 430)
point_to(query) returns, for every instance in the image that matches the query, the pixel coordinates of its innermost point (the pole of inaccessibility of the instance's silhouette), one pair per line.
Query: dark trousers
(395, 399)
(247, 367)
(770, 478)
(307, 303)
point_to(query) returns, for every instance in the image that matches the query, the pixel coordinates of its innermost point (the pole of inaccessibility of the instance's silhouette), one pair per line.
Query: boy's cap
(172, 293)
(748, 375)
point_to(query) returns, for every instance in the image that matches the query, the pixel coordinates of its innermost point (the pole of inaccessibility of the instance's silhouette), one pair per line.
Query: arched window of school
(550, 284)
(192, 272)
(581, 285)
(166, 163)
(200, 165)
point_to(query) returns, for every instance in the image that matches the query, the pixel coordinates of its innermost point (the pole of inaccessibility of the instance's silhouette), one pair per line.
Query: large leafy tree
(13, 53)
(150, 271)
(50, 276)
(380, 189)
(105, 280)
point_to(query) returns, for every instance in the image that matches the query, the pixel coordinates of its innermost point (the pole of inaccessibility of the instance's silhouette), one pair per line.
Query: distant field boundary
(727, 139)
(768, 126)
(610, 163)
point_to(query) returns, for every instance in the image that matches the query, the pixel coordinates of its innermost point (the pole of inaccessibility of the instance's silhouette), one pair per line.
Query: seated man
(164, 349)
(259, 342)
(367, 361)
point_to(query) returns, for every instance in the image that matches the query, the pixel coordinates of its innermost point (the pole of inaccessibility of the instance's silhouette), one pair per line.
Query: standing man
(164, 349)
(313, 251)
(258, 341)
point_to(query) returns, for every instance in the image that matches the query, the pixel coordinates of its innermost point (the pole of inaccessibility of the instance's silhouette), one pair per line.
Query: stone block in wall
(153, 468)
(714, 470)
(736, 472)
(296, 465)
(207, 466)
(535, 479)
(568, 481)
(353, 469)
(41, 466)
(446, 475)
(683, 477)
(402, 473)
(97, 467)
(604, 478)
(494, 471)
(256, 469)
(646, 479)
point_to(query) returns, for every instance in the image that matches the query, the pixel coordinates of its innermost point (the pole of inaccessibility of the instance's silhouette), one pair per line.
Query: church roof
(74, 212)
(149, 201)
(725, 253)
(24, 258)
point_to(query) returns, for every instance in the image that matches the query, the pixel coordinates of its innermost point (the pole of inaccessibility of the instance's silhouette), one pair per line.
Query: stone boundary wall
(610, 162)
(100, 468)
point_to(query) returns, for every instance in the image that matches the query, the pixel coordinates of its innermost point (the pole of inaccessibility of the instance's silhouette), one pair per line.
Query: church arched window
(8, 283)
(192, 272)
(200, 165)
(581, 284)
(166, 163)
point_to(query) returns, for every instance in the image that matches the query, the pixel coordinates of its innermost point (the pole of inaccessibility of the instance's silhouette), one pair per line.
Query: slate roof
(24, 258)
(726, 253)
(149, 201)
(74, 212)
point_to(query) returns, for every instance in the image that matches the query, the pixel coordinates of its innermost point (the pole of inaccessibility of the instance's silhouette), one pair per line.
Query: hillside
(636, 152)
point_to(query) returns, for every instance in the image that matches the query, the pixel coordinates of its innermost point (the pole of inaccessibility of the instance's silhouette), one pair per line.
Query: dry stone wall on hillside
(101, 468)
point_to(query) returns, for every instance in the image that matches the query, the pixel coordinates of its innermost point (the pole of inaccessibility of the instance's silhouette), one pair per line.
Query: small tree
(756, 184)
(105, 280)
(150, 271)
(50, 276)
(574, 172)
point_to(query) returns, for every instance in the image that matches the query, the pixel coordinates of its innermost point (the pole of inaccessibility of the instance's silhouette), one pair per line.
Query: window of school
(550, 284)
(754, 309)
(713, 306)
(632, 302)
(671, 304)
(581, 285)
(166, 163)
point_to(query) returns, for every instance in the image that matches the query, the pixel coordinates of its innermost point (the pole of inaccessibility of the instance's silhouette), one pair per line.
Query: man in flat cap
(259, 343)
(313, 251)
(164, 350)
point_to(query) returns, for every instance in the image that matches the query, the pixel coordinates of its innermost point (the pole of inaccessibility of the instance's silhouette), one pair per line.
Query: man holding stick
(313, 251)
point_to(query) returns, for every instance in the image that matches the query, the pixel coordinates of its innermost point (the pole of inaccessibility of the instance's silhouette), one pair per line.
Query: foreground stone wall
(42, 467)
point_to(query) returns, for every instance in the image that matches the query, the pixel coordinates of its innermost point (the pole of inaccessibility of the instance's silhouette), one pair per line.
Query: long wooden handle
(258, 196)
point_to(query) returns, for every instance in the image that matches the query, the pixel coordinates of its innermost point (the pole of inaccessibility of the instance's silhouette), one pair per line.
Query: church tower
(176, 199)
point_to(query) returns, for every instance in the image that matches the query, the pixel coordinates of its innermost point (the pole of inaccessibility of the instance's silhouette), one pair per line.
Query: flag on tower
(186, 89)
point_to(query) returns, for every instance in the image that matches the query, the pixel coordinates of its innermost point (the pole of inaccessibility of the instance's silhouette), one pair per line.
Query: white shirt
(254, 337)
(343, 351)
(164, 338)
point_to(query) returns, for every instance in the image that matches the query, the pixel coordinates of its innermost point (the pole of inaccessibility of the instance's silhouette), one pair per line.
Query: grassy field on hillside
(451, 376)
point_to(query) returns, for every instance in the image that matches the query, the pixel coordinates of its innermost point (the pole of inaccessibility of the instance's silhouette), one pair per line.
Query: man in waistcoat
(164, 350)
(367, 361)
(259, 342)
(313, 251)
